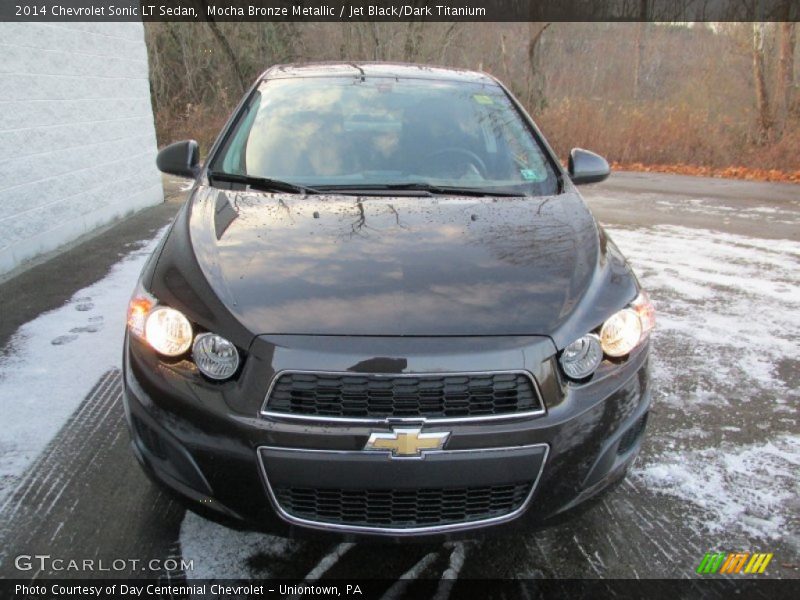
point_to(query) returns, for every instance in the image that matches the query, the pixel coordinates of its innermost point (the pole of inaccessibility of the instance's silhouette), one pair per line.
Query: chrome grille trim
(431, 529)
(265, 412)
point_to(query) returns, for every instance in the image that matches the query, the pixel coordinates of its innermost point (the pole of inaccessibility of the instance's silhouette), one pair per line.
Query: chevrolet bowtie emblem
(407, 442)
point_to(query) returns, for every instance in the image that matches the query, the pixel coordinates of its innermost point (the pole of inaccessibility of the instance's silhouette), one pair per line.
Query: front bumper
(212, 442)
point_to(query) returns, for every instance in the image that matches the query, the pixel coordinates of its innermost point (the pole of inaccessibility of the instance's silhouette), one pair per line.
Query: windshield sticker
(483, 99)
(528, 174)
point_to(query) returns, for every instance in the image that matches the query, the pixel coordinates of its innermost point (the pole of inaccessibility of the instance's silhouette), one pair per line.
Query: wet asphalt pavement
(718, 470)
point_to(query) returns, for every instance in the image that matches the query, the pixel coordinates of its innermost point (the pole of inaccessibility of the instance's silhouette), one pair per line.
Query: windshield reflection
(351, 131)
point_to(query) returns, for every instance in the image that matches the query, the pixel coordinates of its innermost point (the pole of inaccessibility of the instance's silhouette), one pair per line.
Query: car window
(348, 131)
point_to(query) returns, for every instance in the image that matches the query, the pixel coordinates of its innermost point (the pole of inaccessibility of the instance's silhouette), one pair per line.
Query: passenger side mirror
(181, 159)
(587, 167)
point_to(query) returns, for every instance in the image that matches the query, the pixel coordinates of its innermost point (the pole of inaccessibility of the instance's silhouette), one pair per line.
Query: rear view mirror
(181, 159)
(587, 167)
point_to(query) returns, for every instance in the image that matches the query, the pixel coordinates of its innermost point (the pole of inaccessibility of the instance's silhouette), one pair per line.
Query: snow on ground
(726, 354)
(218, 551)
(734, 301)
(753, 488)
(52, 363)
(705, 206)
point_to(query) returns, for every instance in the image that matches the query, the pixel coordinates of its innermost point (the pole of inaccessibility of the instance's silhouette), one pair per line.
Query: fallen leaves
(748, 173)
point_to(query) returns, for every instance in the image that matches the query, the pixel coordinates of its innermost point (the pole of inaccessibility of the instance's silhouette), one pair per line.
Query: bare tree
(786, 84)
(413, 41)
(759, 75)
(228, 50)
(535, 92)
(663, 93)
(640, 45)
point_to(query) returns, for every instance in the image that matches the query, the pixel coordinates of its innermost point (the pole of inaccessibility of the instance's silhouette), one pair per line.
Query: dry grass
(197, 122)
(674, 139)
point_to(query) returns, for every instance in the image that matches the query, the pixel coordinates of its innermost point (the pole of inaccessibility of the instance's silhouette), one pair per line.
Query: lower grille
(149, 437)
(633, 433)
(369, 396)
(401, 509)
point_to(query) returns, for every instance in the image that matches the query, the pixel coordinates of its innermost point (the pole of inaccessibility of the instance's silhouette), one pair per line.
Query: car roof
(376, 69)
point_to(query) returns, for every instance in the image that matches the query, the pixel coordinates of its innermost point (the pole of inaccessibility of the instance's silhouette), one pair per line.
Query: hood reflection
(395, 266)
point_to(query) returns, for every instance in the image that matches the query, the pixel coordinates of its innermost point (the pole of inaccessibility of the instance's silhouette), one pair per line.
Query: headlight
(168, 331)
(581, 357)
(215, 356)
(621, 333)
(624, 330)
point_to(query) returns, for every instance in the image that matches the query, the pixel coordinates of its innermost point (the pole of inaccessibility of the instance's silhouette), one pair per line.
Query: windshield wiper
(263, 183)
(423, 187)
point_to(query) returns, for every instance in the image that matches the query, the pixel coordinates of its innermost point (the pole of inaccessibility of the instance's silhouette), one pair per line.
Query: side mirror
(181, 159)
(587, 167)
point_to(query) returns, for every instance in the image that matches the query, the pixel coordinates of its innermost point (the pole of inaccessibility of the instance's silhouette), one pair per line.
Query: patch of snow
(398, 589)
(753, 488)
(728, 318)
(56, 359)
(219, 552)
(732, 301)
(458, 555)
(713, 207)
(327, 561)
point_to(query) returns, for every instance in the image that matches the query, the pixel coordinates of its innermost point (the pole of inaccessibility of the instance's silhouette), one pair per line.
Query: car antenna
(360, 70)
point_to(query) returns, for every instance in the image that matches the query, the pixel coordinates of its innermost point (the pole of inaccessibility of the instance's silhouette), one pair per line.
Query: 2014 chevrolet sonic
(385, 310)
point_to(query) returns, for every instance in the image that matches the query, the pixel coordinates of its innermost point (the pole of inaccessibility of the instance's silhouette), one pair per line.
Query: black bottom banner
(574, 589)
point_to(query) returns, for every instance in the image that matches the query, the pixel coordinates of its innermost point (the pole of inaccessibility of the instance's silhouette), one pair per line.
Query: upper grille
(367, 396)
(401, 509)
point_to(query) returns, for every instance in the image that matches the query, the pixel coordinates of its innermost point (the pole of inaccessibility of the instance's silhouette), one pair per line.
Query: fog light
(215, 356)
(168, 331)
(581, 357)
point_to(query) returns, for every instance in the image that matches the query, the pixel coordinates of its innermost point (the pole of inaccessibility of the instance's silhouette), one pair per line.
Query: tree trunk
(762, 98)
(504, 56)
(640, 35)
(376, 41)
(535, 95)
(413, 42)
(226, 48)
(786, 85)
(637, 67)
(414, 36)
(449, 35)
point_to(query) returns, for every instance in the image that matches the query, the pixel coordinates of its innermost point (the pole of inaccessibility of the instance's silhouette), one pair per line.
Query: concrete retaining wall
(77, 141)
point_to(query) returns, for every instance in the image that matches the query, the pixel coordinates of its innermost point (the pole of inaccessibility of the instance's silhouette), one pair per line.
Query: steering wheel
(467, 156)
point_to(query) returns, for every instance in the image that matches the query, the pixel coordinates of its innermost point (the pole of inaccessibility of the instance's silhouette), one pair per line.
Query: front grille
(402, 509)
(382, 396)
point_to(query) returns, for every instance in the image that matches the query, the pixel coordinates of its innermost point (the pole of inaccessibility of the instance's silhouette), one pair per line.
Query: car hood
(403, 266)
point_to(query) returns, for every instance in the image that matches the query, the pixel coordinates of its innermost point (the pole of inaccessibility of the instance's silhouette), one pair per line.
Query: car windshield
(386, 132)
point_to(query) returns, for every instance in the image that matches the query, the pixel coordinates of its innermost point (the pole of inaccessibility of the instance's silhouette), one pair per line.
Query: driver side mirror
(587, 167)
(181, 159)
